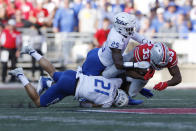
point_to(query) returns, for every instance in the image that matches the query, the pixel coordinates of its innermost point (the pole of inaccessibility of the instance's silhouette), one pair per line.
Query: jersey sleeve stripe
(136, 54)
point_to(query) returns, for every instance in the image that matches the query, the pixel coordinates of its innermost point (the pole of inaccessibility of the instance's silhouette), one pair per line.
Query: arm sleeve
(141, 39)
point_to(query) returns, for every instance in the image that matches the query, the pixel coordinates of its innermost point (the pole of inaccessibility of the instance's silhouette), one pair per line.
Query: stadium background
(64, 31)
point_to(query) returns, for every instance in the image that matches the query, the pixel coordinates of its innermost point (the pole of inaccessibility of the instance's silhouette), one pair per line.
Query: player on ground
(96, 89)
(159, 56)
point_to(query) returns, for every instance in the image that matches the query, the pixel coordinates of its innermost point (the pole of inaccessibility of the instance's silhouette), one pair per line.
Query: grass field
(17, 113)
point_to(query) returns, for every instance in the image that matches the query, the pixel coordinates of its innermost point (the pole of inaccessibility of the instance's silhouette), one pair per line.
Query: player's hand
(146, 92)
(149, 74)
(160, 86)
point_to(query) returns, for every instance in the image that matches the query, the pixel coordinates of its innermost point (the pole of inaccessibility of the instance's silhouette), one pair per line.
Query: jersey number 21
(103, 89)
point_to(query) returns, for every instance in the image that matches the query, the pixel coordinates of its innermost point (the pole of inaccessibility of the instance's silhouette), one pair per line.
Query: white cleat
(27, 50)
(16, 72)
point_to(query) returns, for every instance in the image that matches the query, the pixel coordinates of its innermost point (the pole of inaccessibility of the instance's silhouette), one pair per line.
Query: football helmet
(124, 23)
(121, 98)
(159, 56)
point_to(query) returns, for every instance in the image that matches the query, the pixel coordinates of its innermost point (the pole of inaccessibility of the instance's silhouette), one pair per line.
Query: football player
(100, 59)
(98, 90)
(159, 56)
(110, 53)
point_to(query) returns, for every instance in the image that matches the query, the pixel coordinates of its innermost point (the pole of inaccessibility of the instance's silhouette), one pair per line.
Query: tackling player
(99, 59)
(159, 56)
(96, 89)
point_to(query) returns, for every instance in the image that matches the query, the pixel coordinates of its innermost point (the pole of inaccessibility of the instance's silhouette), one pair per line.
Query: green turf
(17, 113)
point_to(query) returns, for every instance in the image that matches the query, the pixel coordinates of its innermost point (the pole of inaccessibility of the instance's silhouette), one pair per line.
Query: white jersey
(116, 40)
(97, 89)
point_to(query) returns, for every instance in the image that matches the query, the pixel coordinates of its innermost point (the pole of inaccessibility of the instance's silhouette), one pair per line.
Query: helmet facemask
(159, 56)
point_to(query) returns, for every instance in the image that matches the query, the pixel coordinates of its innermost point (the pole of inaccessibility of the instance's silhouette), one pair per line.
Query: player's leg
(30, 89)
(65, 86)
(92, 64)
(135, 86)
(44, 63)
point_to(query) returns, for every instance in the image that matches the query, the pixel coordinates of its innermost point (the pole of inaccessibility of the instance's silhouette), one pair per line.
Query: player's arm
(117, 58)
(176, 76)
(88, 104)
(134, 74)
(176, 79)
(141, 39)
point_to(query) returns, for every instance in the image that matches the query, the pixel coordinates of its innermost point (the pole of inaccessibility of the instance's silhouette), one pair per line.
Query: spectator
(171, 12)
(3, 16)
(101, 34)
(182, 26)
(39, 15)
(146, 28)
(20, 22)
(129, 6)
(187, 6)
(10, 9)
(168, 30)
(193, 16)
(88, 18)
(50, 6)
(117, 7)
(158, 21)
(10, 41)
(25, 6)
(77, 6)
(64, 20)
(103, 12)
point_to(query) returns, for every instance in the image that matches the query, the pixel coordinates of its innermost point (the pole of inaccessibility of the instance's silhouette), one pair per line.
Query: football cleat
(42, 84)
(27, 50)
(16, 72)
(134, 102)
(146, 92)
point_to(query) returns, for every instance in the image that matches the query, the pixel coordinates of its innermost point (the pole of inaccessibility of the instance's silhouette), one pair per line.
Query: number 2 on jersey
(100, 82)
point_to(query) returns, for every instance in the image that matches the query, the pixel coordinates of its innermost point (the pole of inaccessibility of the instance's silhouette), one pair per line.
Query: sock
(49, 83)
(36, 55)
(23, 80)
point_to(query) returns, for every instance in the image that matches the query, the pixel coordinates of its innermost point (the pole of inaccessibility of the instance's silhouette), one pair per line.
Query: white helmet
(121, 98)
(124, 23)
(159, 56)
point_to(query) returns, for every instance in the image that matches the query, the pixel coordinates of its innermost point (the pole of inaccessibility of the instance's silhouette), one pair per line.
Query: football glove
(160, 86)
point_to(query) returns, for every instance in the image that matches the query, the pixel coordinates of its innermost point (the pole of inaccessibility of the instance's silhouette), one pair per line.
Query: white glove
(142, 65)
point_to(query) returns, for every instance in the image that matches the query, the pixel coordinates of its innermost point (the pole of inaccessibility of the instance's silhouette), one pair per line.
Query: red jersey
(8, 39)
(26, 8)
(101, 36)
(142, 53)
(40, 15)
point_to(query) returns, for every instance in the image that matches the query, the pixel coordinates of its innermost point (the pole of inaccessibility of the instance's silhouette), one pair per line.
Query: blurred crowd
(90, 16)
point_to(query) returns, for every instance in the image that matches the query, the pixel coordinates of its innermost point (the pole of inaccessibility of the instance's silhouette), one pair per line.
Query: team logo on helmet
(118, 21)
